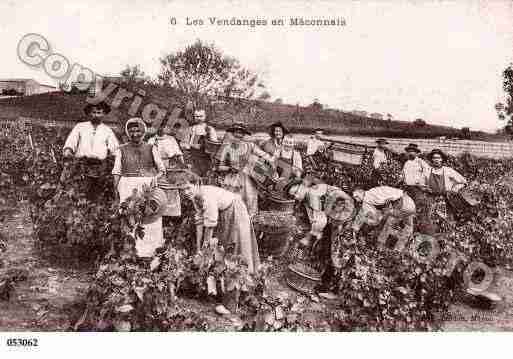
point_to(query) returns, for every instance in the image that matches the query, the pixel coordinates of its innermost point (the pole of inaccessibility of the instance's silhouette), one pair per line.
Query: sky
(440, 61)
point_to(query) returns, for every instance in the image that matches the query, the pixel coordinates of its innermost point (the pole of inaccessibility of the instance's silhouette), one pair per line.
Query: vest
(137, 161)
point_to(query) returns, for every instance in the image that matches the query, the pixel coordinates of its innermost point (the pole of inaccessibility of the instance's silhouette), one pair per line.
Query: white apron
(153, 236)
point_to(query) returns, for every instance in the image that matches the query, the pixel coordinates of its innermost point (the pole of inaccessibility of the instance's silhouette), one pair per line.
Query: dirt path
(46, 299)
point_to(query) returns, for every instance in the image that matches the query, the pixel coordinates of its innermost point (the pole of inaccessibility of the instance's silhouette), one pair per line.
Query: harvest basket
(211, 147)
(273, 201)
(274, 230)
(302, 277)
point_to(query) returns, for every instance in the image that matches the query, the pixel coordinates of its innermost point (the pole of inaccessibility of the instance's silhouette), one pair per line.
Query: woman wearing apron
(171, 155)
(138, 164)
(288, 161)
(233, 159)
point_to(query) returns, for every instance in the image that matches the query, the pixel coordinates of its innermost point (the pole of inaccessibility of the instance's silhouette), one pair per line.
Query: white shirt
(212, 199)
(86, 141)
(166, 145)
(415, 172)
(378, 157)
(313, 145)
(377, 196)
(201, 129)
(452, 178)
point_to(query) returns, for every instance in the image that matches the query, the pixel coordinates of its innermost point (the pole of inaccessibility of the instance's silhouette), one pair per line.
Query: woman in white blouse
(217, 208)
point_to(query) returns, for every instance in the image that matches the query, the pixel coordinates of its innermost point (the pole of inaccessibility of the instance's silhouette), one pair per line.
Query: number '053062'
(22, 342)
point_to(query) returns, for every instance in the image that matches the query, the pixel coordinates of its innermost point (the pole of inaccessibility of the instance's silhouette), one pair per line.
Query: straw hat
(239, 127)
(382, 140)
(412, 147)
(437, 151)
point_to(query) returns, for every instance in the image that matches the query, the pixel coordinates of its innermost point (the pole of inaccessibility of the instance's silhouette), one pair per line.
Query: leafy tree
(133, 74)
(419, 122)
(316, 105)
(278, 101)
(465, 132)
(505, 111)
(202, 73)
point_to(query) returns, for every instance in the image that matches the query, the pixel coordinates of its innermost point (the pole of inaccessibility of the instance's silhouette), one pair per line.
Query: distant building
(23, 87)
(377, 116)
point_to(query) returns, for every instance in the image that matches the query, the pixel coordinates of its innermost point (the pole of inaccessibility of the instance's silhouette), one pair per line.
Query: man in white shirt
(201, 161)
(91, 139)
(315, 142)
(200, 130)
(389, 203)
(415, 174)
(379, 155)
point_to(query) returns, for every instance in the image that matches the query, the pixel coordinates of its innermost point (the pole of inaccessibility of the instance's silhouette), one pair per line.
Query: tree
(132, 74)
(419, 122)
(316, 105)
(278, 101)
(505, 111)
(202, 73)
(465, 132)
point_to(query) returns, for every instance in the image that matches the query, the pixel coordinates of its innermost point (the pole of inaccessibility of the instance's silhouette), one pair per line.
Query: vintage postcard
(263, 166)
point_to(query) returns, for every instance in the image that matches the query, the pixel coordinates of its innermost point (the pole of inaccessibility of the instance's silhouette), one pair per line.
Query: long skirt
(201, 162)
(235, 231)
(153, 236)
(243, 185)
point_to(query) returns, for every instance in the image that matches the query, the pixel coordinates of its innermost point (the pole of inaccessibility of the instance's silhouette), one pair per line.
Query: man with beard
(92, 141)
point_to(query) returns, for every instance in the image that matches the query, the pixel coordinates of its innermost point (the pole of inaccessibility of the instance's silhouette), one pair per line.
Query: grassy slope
(59, 106)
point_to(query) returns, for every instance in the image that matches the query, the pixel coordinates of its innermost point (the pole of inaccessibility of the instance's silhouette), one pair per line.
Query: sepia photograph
(264, 166)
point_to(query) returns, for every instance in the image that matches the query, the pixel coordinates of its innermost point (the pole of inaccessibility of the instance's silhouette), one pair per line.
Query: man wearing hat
(446, 181)
(379, 155)
(138, 165)
(415, 174)
(200, 131)
(385, 203)
(233, 161)
(315, 142)
(330, 211)
(277, 131)
(91, 139)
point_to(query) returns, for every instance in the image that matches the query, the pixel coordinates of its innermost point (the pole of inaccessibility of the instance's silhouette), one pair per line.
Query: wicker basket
(212, 147)
(273, 234)
(302, 277)
(272, 201)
